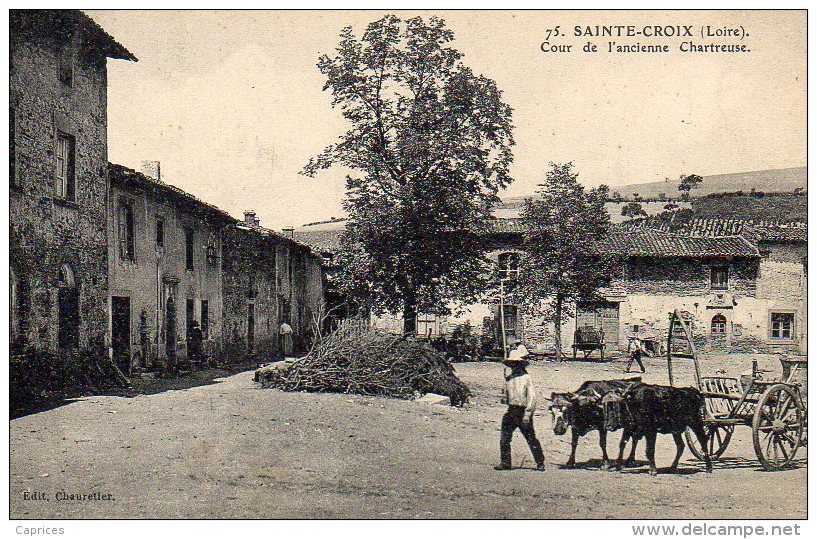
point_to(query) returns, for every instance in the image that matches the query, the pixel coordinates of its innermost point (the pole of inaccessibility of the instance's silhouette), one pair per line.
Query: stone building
(268, 278)
(58, 179)
(744, 283)
(165, 268)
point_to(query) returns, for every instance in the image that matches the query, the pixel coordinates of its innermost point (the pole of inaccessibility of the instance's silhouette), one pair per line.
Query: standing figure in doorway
(286, 338)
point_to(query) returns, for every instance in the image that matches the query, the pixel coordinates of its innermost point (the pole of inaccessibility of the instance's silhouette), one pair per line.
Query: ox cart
(776, 410)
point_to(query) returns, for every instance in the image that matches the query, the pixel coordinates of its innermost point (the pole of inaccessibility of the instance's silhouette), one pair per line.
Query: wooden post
(502, 318)
(669, 346)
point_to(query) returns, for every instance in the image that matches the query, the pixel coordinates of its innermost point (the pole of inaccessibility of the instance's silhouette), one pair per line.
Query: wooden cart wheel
(718, 437)
(777, 426)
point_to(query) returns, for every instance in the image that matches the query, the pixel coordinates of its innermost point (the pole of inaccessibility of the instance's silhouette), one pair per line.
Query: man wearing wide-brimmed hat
(520, 396)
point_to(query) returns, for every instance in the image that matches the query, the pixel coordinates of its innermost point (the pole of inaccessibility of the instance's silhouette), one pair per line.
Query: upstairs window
(781, 326)
(212, 249)
(64, 175)
(160, 232)
(508, 266)
(125, 217)
(719, 278)
(66, 67)
(188, 249)
(718, 324)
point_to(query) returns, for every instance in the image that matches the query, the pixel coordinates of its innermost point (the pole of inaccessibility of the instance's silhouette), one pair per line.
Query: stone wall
(158, 273)
(648, 291)
(282, 279)
(46, 232)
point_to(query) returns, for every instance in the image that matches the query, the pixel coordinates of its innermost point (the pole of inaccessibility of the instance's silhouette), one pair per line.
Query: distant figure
(635, 348)
(520, 396)
(195, 340)
(286, 339)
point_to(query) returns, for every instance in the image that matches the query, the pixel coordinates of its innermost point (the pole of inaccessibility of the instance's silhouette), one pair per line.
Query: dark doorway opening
(120, 331)
(170, 330)
(68, 329)
(250, 327)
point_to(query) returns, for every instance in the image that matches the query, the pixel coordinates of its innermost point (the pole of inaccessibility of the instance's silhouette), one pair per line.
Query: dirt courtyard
(233, 450)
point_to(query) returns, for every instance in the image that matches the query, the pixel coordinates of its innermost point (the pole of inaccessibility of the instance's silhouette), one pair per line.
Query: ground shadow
(139, 386)
(743, 463)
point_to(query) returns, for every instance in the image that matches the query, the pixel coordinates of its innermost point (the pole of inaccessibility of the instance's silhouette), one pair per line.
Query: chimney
(152, 169)
(289, 232)
(251, 218)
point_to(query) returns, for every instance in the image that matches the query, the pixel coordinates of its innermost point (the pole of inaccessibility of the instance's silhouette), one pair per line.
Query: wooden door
(608, 323)
(68, 328)
(121, 331)
(603, 317)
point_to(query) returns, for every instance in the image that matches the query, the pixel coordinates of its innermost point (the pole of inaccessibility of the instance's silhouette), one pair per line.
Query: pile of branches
(368, 362)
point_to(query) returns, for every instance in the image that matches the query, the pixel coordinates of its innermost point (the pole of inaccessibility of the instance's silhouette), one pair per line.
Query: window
(718, 324)
(205, 319)
(188, 245)
(212, 249)
(252, 289)
(66, 66)
(64, 186)
(781, 326)
(508, 266)
(160, 232)
(125, 227)
(719, 278)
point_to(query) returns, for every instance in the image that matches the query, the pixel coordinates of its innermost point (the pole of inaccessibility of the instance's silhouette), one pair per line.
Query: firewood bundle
(369, 363)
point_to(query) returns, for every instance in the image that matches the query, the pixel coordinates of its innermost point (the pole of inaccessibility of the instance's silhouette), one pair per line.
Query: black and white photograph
(392, 264)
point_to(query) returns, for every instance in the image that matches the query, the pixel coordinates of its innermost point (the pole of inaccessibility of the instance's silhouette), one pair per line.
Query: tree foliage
(632, 210)
(688, 182)
(430, 145)
(563, 222)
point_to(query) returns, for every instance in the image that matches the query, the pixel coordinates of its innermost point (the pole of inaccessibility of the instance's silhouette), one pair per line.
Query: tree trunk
(409, 312)
(557, 324)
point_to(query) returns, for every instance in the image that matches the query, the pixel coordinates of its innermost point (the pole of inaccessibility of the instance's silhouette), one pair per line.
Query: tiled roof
(507, 226)
(655, 243)
(129, 178)
(755, 230)
(55, 22)
(268, 233)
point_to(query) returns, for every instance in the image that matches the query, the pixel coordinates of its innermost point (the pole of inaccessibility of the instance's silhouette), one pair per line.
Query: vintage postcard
(408, 264)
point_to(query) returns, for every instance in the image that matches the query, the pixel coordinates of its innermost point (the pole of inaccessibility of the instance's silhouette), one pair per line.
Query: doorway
(121, 331)
(250, 327)
(170, 330)
(68, 328)
(604, 317)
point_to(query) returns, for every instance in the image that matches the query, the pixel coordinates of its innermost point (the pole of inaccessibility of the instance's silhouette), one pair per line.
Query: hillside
(783, 207)
(784, 180)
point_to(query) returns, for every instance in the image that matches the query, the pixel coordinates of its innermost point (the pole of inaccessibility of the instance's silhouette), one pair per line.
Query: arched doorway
(68, 309)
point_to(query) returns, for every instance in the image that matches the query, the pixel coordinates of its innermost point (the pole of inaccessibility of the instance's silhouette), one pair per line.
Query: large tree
(560, 268)
(688, 182)
(430, 146)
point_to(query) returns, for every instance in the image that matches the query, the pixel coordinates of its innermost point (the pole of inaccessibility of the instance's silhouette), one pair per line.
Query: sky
(231, 102)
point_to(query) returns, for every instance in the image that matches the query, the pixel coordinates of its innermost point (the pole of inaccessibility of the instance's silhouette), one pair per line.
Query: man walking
(635, 348)
(520, 396)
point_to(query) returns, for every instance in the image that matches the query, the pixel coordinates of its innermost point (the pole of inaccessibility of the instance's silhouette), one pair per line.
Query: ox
(654, 409)
(582, 411)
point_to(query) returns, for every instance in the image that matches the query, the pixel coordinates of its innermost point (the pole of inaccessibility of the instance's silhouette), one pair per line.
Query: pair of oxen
(641, 410)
